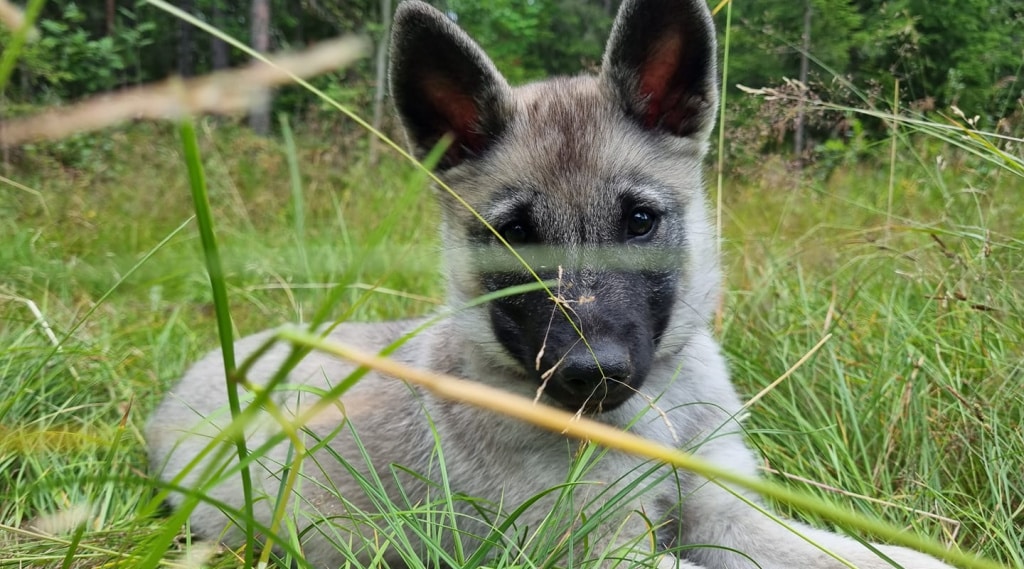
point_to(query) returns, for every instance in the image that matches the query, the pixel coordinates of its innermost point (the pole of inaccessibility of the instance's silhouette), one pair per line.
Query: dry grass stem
(788, 373)
(486, 397)
(576, 426)
(946, 521)
(43, 325)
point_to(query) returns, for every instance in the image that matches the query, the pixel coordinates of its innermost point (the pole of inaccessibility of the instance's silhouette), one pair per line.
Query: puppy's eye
(640, 222)
(516, 233)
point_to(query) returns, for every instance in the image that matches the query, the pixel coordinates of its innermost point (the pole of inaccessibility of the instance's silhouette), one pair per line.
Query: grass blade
(18, 39)
(204, 218)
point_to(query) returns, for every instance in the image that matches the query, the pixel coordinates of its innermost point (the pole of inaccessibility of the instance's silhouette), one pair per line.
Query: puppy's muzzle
(593, 379)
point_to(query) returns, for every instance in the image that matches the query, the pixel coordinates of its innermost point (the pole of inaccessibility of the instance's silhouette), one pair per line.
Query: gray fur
(569, 146)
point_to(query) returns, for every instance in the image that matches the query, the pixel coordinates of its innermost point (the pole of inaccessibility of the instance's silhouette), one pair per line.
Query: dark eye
(516, 232)
(640, 222)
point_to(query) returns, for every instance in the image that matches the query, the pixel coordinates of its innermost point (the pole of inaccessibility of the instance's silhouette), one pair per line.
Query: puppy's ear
(443, 83)
(660, 65)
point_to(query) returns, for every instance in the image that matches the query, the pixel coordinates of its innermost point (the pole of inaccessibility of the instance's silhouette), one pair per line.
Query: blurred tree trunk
(298, 15)
(186, 41)
(259, 116)
(382, 77)
(111, 16)
(217, 45)
(799, 135)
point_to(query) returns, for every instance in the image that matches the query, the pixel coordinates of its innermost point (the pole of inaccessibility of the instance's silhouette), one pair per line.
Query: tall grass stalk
(298, 199)
(12, 50)
(893, 139)
(720, 168)
(208, 238)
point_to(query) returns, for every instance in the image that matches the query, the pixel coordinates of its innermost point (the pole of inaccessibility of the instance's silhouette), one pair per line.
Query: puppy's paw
(667, 561)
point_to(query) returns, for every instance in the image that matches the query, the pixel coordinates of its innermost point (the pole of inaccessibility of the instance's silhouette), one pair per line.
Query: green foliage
(945, 52)
(846, 151)
(68, 61)
(766, 39)
(963, 53)
(538, 38)
(81, 151)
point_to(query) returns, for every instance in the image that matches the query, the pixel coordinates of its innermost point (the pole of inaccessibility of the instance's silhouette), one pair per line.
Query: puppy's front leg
(666, 561)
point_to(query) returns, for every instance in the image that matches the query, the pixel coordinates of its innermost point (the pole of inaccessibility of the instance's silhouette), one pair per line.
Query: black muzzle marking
(590, 344)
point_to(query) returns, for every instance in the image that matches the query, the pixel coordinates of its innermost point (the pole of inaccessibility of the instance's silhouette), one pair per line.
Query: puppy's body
(597, 182)
(497, 459)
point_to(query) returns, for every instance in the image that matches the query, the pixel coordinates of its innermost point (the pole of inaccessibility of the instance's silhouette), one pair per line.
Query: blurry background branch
(222, 92)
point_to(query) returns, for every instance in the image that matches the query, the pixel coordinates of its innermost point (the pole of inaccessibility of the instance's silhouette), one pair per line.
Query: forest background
(937, 54)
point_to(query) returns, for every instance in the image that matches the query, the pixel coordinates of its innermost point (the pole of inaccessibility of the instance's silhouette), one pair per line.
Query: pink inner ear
(656, 77)
(457, 110)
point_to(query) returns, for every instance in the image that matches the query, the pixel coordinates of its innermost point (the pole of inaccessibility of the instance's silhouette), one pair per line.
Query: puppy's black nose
(593, 379)
(583, 371)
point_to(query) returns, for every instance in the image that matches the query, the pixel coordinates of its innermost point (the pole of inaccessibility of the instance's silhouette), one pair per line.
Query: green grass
(70, 241)
(914, 400)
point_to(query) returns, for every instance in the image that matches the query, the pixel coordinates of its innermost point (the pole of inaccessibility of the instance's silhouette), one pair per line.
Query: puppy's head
(592, 184)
